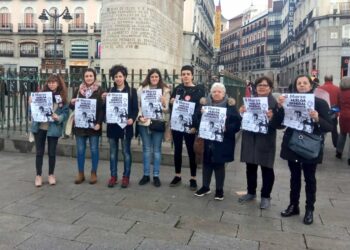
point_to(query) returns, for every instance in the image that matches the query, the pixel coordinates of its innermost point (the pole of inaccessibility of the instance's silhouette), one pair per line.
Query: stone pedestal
(142, 34)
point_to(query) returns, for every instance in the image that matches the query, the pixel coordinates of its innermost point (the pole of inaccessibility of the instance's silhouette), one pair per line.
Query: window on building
(6, 49)
(346, 31)
(5, 17)
(29, 17)
(78, 17)
(29, 49)
(52, 20)
(79, 49)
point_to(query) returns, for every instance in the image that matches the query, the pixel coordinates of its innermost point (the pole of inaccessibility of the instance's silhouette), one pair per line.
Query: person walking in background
(217, 154)
(259, 149)
(344, 117)
(51, 130)
(151, 139)
(89, 89)
(334, 93)
(115, 133)
(186, 91)
(296, 163)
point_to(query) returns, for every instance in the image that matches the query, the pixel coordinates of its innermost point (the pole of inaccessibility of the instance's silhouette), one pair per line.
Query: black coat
(114, 130)
(323, 126)
(258, 148)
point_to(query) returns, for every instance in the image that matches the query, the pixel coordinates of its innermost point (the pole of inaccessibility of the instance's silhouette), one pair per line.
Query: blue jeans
(81, 148)
(151, 141)
(113, 158)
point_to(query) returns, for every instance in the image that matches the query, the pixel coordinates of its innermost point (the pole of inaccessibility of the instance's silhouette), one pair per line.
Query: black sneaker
(202, 191)
(219, 195)
(193, 184)
(156, 181)
(145, 179)
(175, 182)
(338, 155)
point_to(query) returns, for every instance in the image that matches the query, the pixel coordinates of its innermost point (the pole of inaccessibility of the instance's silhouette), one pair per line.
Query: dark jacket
(99, 114)
(191, 94)
(258, 148)
(323, 126)
(222, 152)
(114, 130)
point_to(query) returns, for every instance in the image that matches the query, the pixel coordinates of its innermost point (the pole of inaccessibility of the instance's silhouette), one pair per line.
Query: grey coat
(258, 148)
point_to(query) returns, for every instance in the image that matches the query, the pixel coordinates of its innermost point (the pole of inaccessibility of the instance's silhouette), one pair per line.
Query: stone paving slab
(9, 222)
(151, 217)
(151, 244)
(314, 242)
(12, 239)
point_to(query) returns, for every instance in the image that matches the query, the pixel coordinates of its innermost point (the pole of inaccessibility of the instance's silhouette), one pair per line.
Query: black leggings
(178, 142)
(219, 170)
(40, 138)
(268, 179)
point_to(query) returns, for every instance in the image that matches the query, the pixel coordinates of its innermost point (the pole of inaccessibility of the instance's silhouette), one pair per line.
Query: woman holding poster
(322, 123)
(259, 148)
(52, 129)
(217, 153)
(151, 139)
(92, 130)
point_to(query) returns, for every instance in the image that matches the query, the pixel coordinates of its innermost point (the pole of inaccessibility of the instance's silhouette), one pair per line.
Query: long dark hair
(89, 70)
(61, 88)
(147, 81)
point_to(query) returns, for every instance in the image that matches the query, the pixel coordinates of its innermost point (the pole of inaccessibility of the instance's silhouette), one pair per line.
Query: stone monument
(142, 34)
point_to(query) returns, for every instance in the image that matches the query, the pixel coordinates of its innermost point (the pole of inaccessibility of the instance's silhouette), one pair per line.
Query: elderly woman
(344, 117)
(322, 123)
(259, 148)
(216, 154)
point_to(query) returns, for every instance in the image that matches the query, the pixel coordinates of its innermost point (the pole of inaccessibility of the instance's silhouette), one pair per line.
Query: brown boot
(79, 178)
(93, 178)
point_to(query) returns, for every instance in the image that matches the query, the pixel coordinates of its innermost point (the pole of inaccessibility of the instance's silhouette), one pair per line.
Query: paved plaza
(69, 216)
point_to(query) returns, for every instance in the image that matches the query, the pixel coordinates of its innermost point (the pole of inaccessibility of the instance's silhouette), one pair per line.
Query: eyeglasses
(263, 85)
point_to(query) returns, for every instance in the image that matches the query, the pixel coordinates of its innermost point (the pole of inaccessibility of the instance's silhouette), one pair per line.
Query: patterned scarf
(86, 91)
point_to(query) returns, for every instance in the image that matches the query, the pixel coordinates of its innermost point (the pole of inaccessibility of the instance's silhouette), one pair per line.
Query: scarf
(222, 104)
(86, 91)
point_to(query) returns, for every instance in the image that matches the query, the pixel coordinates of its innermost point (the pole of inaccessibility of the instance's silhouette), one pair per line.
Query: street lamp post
(43, 17)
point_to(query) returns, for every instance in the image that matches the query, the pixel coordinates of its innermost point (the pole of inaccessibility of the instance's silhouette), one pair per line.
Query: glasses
(262, 85)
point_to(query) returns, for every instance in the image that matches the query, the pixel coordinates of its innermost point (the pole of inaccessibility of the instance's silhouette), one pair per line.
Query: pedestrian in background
(344, 117)
(115, 133)
(50, 130)
(260, 149)
(89, 89)
(217, 154)
(151, 139)
(334, 93)
(322, 124)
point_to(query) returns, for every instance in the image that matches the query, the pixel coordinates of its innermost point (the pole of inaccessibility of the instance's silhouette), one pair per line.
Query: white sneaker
(38, 181)
(52, 180)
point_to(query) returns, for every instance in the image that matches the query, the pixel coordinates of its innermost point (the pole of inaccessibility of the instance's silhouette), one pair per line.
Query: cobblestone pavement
(69, 216)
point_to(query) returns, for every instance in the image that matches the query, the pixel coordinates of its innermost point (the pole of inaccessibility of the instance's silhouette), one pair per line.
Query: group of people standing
(257, 149)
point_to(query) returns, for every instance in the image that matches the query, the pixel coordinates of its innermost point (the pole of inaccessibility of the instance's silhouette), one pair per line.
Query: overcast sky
(232, 8)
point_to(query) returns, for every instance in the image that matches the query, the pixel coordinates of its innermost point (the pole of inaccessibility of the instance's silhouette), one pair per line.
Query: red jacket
(344, 117)
(334, 92)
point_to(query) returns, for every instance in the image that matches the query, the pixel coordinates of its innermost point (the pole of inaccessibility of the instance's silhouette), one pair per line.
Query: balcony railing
(50, 53)
(29, 53)
(97, 27)
(6, 27)
(6, 53)
(28, 27)
(78, 28)
(49, 28)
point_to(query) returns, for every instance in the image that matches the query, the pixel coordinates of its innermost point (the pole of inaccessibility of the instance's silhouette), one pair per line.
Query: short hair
(118, 68)
(299, 76)
(187, 67)
(267, 79)
(218, 85)
(328, 78)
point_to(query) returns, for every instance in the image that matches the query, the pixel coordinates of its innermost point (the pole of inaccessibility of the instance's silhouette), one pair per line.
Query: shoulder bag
(306, 145)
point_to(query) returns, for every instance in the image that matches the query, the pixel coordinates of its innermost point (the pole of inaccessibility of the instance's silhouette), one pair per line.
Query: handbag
(305, 144)
(157, 126)
(69, 124)
(198, 148)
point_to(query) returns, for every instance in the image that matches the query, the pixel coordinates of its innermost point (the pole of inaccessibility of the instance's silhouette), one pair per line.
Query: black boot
(309, 217)
(291, 210)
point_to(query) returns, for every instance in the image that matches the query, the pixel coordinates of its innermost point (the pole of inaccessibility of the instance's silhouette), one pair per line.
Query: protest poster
(255, 118)
(296, 111)
(117, 109)
(41, 106)
(212, 125)
(181, 116)
(151, 104)
(85, 113)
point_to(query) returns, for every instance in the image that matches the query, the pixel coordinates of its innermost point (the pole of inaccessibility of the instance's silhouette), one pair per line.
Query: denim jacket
(56, 127)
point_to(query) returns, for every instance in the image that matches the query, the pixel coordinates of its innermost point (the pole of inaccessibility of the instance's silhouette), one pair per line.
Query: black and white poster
(85, 113)
(255, 118)
(117, 108)
(151, 104)
(212, 126)
(296, 111)
(42, 106)
(181, 116)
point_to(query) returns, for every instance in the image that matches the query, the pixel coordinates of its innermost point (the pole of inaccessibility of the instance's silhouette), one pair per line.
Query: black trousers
(40, 138)
(310, 183)
(268, 179)
(178, 138)
(335, 132)
(219, 170)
